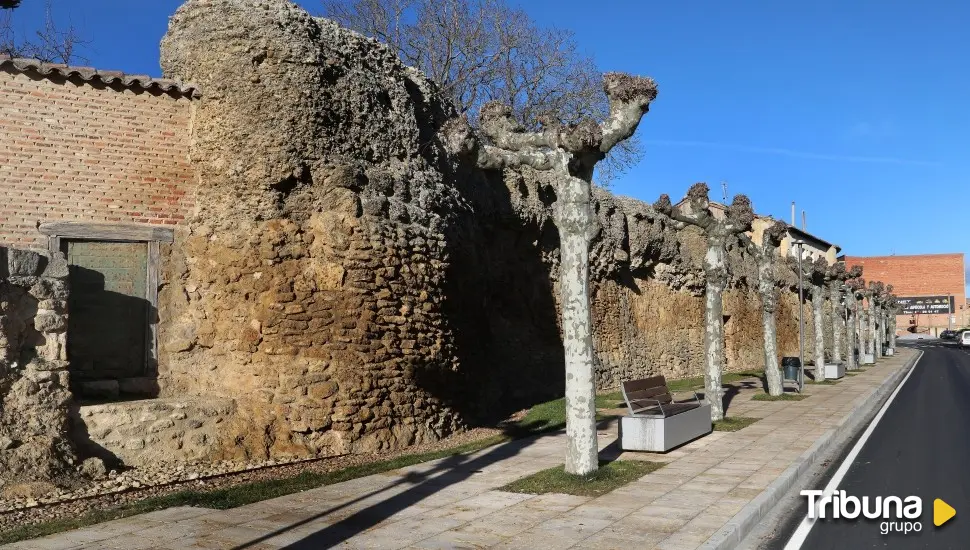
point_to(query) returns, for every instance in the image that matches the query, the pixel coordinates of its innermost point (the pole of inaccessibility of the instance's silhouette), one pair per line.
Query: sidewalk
(453, 502)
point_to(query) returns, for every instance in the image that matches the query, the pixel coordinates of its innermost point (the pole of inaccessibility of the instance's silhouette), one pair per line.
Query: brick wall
(920, 275)
(77, 151)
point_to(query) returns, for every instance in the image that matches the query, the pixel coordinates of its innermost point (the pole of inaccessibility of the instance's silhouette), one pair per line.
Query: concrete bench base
(867, 359)
(644, 433)
(834, 371)
(890, 352)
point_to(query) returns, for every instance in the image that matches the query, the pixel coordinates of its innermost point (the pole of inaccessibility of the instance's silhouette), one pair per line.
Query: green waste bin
(791, 366)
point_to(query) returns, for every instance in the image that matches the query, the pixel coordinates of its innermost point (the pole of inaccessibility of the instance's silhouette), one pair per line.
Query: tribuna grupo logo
(839, 505)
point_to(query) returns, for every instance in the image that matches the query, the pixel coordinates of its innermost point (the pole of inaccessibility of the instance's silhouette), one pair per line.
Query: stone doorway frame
(151, 235)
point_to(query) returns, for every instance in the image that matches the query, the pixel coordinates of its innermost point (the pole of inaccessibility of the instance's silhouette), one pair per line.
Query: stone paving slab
(453, 502)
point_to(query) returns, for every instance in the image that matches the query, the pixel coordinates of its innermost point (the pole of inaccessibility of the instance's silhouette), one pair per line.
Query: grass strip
(734, 423)
(543, 417)
(239, 495)
(609, 476)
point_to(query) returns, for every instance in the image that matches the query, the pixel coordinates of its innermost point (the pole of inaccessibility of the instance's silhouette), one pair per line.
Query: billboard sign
(916, 305)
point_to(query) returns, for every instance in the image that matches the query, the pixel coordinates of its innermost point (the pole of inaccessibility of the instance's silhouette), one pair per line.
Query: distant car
(948, 335)
(965, 339)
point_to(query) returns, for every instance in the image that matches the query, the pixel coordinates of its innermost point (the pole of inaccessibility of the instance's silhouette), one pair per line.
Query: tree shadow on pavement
(449, 471)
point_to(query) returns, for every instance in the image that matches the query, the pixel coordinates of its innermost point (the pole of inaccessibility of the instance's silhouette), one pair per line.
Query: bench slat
(645, 384)
(660, 394)
(668, 410)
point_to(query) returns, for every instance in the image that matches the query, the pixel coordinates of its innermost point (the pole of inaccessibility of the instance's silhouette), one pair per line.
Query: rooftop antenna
(724, 191)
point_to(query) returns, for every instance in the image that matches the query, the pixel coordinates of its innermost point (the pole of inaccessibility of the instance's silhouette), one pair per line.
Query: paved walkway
(454, 502)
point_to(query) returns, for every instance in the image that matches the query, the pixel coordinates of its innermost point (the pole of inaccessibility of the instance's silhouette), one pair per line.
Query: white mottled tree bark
(715, 262)
(893, 327)
(835, 300)
(818, 318)
(869, 326)
(769, 304)
(852, 332)
(574, 218)
(874, 337)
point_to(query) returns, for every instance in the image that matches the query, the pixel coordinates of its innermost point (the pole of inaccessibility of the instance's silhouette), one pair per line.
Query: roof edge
(938, 254)
(109, 78)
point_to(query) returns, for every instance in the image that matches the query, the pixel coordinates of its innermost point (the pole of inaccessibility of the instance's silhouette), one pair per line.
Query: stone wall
(355, 289)
(154, 431)
(310, 285)
(34, 394)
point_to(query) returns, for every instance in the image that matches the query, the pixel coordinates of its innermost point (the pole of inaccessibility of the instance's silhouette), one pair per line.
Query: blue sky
(855, 110)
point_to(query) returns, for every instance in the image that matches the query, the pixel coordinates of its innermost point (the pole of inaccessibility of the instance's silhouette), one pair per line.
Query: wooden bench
(657, 421)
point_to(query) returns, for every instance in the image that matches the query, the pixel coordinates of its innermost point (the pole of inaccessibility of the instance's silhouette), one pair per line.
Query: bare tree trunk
(818, 303)
(835, 299)
(851, 331)
(893, 327)
(873, 337)
(714, 347)
(766, 287)
(772, 371)
(574, 218)
(769, 304)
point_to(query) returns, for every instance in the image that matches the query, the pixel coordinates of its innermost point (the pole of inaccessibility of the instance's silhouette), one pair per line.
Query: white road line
(805, 527)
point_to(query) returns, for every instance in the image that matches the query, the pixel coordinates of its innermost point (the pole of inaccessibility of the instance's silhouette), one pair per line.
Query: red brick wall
(75, 152)
(920, 275)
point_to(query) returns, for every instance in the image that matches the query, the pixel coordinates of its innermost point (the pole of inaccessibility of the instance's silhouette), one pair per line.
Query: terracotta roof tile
(88, 74)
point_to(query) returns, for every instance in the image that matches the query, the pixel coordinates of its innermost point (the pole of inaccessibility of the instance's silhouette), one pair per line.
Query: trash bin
(791, 366)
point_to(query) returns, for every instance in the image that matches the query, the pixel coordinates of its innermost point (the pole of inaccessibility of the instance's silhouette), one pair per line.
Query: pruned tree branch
(481, 51)
(696, 210)
(629, 99)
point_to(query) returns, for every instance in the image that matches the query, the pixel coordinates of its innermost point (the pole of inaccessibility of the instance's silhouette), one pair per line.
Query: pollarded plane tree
(814, 274)
(569, 153)
(894, 310)
(863, 294)
(766, 256)
(886, 315)
(849, 289)
(835, 279)
(876, 291)
(738, 217)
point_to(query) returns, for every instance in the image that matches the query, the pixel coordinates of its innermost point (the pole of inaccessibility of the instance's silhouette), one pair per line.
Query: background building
(935, 282)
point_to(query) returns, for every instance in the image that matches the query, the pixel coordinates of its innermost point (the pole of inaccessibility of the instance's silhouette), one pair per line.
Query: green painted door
(107, 309)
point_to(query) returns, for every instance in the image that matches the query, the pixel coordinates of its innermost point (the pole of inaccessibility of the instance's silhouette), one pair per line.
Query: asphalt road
(920, 447)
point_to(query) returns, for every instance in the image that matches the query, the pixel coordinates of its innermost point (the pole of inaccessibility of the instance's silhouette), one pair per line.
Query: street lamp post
(801, 329)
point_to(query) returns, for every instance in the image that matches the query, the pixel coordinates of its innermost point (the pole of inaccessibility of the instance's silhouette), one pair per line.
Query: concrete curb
(731, 535)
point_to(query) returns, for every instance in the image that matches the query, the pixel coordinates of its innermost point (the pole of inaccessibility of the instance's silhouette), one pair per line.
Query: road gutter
(745, 521)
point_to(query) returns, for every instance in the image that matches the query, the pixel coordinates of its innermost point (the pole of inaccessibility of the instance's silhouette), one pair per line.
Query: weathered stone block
(24, 263)
(56, 267)
(48, 321)
(94, 468)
